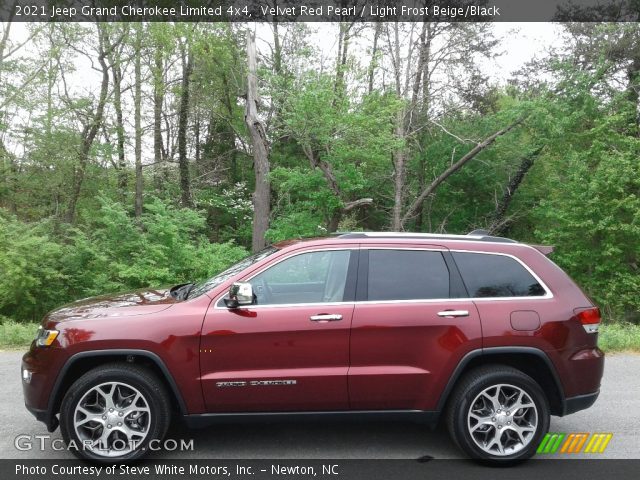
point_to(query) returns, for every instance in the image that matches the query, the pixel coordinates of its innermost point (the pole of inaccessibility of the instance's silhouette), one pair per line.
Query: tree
(137, 100)
(186, 57)
(114, 58)
(453, 168)
(421, 63)
(159, 34)
(93, 122)
(260, 147)
(499, 221)
(340, 139)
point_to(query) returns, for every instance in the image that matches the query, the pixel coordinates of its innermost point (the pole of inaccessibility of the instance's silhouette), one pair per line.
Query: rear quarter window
(490, 275)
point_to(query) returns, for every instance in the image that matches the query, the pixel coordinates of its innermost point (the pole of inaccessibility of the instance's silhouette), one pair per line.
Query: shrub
(111, 252)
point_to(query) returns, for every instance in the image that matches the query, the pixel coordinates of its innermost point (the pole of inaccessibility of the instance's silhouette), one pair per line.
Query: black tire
(469, 389)
(128, 375)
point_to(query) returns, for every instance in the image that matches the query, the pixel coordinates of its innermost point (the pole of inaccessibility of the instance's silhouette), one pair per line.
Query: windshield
(213, 282)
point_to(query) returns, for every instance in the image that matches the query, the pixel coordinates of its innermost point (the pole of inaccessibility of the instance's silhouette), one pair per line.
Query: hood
(140, 302)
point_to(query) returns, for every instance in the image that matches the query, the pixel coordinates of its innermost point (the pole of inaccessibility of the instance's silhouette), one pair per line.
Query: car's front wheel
(113, 412)
(498, 414)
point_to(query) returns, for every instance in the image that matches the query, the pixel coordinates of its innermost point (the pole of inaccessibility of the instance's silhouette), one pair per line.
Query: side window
(487, 275)
(407, 275)
(313, 277)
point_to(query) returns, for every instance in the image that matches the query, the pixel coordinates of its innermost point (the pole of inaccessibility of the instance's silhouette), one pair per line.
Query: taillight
(590, 319)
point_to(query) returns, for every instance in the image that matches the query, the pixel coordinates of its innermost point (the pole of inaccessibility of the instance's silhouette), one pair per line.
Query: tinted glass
(213, 282)
(313, 277)
(407, 275)
(496, 276)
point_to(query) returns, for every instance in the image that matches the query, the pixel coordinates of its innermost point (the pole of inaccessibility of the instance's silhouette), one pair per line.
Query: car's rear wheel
(498, 414)
(112, 412)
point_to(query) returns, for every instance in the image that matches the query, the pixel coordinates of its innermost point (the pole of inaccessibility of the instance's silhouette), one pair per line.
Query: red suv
(483, 333)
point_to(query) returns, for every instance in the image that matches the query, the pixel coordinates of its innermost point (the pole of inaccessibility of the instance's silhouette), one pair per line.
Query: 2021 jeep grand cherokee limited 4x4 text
(483, 333)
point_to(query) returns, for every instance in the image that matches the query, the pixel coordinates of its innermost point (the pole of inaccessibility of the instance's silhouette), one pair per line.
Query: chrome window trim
(286, 257)
(548, 293)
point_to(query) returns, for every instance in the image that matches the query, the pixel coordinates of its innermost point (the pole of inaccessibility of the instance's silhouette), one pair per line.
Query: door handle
(326, 317)
(454, 313)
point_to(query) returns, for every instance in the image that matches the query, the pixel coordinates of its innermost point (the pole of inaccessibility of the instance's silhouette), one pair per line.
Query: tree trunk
(90, 131)
(277, 49)
(633, 88)
(262, 192)
(5, 36)
(406, 121)
(138, 121)
(117, 105)
(421, 174)
(423, 112)
(231, 135)
(423, 57)
(399, 154)
(158, 101)
(399, 175)
(183, 120)
(196, 137)
(341, 61)
(6, 163)
(498, 223)
(374, 56)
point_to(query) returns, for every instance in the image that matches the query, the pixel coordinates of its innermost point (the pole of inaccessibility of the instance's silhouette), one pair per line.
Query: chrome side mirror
(240, 295)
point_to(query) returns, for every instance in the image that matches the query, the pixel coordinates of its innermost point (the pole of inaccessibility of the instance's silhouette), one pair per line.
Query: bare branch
(454, 168)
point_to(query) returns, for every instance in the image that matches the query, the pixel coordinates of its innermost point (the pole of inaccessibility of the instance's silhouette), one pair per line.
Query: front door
(289, 351)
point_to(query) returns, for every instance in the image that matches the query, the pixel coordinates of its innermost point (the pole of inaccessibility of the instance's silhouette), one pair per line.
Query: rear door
(411, 326)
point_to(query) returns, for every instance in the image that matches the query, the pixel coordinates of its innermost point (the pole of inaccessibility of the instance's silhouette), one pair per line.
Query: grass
(614, 337)
(619, 337)
(16, 335)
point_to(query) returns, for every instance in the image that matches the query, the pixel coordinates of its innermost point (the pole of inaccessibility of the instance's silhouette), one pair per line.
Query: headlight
(44, 338)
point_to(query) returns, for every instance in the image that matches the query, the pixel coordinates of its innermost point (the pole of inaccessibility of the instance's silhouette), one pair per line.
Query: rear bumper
(580, 402)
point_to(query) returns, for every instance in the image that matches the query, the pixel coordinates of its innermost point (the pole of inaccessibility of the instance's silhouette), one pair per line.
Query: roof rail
(474, 236)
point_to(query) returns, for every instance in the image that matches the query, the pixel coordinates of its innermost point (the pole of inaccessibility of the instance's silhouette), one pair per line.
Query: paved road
(617, 411)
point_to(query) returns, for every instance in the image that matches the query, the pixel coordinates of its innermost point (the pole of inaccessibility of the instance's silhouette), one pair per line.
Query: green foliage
(168, 247)
(16, 335)
(619, 337)
(30, 276)
(590, 200)
(332, 135)
(350, 136)
(111, 253)
(229, 211)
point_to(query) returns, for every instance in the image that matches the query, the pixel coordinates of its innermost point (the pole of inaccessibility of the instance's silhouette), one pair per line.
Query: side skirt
(429, 418)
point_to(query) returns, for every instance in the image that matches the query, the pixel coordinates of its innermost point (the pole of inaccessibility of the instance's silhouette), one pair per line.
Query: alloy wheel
(112, 419)
(502, 419)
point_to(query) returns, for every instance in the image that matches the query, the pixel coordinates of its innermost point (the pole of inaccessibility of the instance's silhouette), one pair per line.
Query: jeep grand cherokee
(483, 333)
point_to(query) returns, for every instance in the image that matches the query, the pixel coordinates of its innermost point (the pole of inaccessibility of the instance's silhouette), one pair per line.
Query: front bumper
(51, 421)
(43, 365)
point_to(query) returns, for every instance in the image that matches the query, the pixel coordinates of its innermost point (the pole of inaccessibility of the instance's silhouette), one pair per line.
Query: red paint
(278, 343)
(386, 355)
